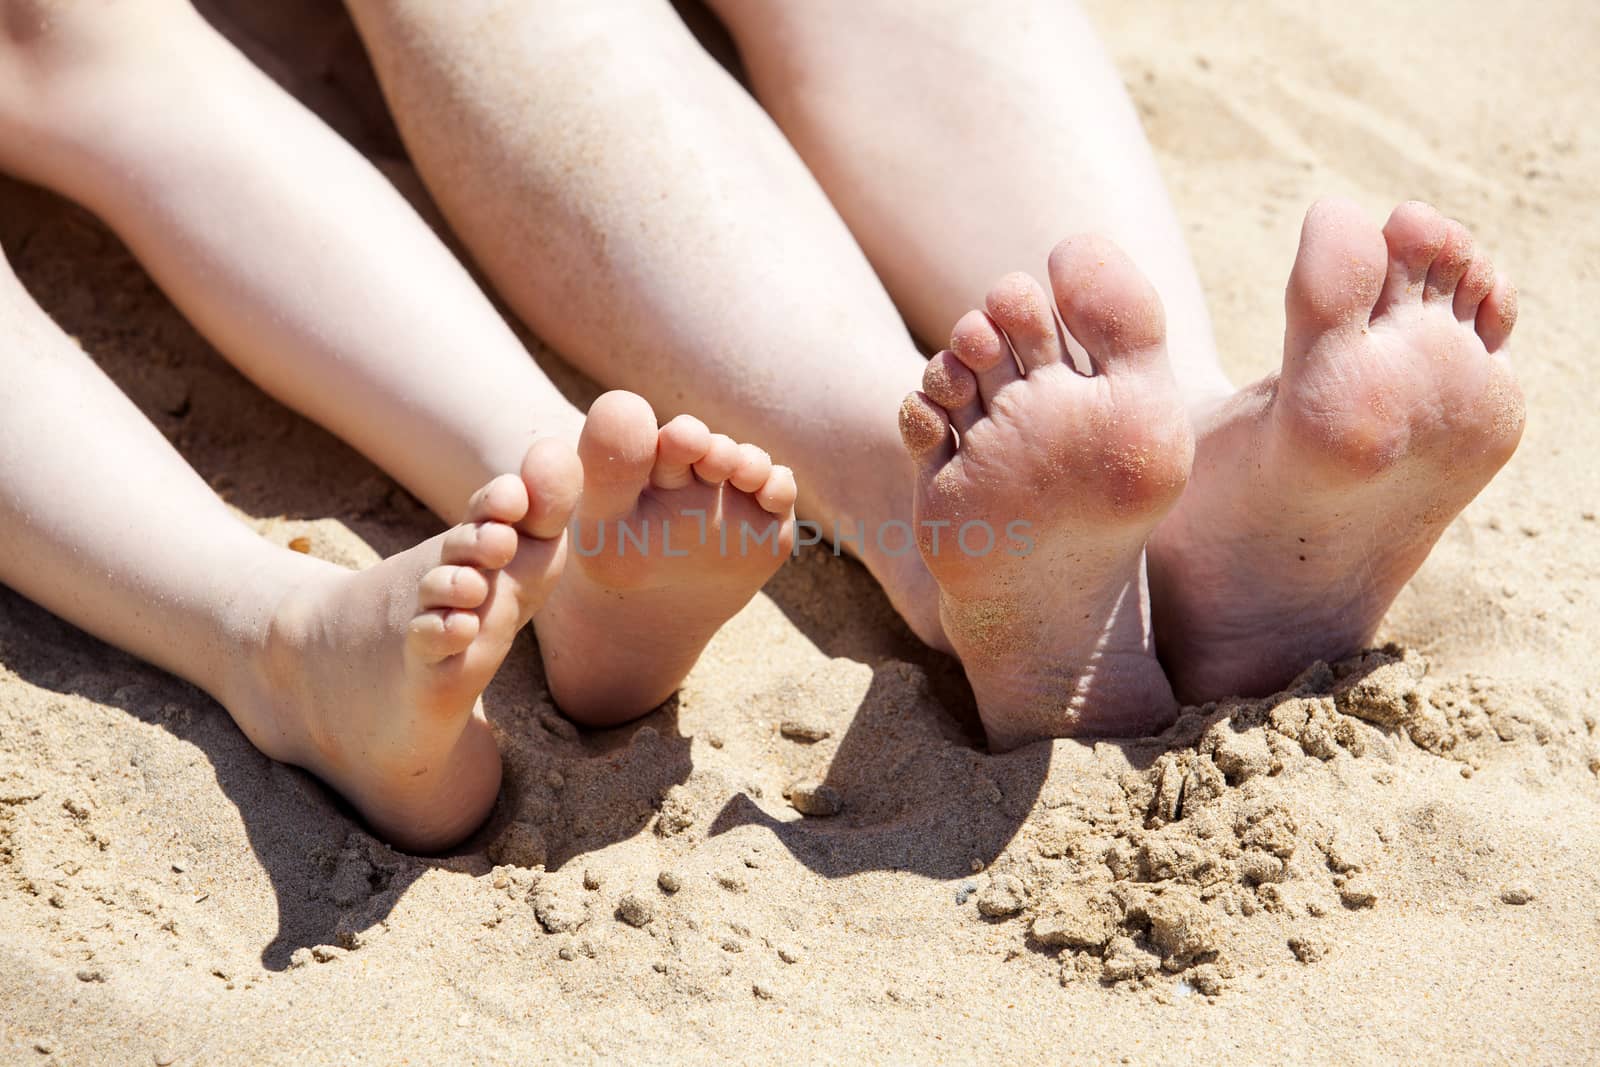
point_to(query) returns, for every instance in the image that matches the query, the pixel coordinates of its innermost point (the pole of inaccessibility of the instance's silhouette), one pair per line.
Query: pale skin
(697, 260)
(371, 681)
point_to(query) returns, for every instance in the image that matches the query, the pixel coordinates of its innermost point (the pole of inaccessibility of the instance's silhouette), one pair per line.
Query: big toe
(553, 479)
(617, 449)
(1106, 303)
(502, 562)
(1338, 273)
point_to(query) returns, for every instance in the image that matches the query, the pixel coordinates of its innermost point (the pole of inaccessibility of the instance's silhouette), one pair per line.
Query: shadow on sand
(913, 741)
(329, 877)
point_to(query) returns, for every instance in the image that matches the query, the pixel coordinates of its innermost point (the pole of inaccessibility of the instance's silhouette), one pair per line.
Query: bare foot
(1054, 633)
(372, 680)
(676, 530)
(1318, 491)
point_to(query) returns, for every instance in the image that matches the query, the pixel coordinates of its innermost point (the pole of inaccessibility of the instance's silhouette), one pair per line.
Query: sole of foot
(676, 530)
(372, 680)
(1037, 487)
(1318, 491)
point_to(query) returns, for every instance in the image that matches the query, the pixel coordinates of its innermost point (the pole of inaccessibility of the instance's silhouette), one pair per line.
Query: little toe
(1415, 234)
(925, 429)
(618, 450)
(553, 476)
(442, 633)
(721, 457)
(1337, 276)
(481, 544)
(1475, 285)
(779, 492)
(683, 442)
(752, 470)
(980, 345)
(451, 586)
(1450, 265)
(1107, 303)
(1497, 315)
(1018, 305)
(948, 383)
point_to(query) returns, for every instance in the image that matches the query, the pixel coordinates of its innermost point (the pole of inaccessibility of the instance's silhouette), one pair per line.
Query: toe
(948, 383)
(1337, 276)
(721, 457)
(752, 470)
(777, 495)
(1415, 234)
(682, 444)
(1106, 303)
(1475, 285)
(925, 429)
(980, 345)
(554, 479)
(443, 633)
(1450, 265)
(1497, 314)
(525, 582)
(450, 586)
(618, 450)
(505, 499)
(1018, 305)
(483, 544)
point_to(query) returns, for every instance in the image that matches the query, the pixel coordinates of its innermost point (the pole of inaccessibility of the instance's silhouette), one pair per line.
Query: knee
(66, 67)
(44, 37)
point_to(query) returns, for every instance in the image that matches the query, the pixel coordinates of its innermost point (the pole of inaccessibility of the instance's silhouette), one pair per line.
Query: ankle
(269, 623)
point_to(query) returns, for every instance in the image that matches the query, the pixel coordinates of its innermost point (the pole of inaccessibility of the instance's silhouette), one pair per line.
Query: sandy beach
(1398, 858)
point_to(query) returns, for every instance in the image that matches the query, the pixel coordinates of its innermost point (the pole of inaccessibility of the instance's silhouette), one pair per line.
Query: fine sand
(1398, 859)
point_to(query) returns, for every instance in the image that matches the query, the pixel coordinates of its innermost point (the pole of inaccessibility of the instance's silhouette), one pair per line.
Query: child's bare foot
(1319, 491)
(372, 679)
(1054, 634)
(676, 530)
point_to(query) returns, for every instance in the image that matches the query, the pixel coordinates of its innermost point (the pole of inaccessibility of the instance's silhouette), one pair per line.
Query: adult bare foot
(676, 530)
(372, 680)
(1318, 491)
(1032, 517)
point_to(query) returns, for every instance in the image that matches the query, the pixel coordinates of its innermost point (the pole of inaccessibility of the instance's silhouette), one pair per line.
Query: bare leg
(371, 680)
(961, 141)
(286, 248)
(638, 210)
(310, 272)
(641, 213)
